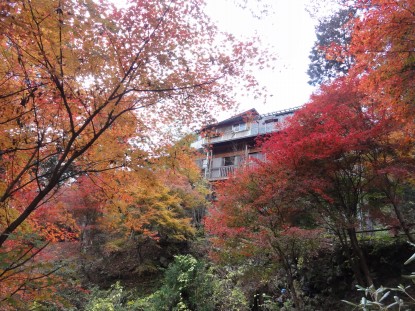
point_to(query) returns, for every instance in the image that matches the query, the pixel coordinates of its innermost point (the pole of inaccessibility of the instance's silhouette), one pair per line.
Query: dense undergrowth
(191, 282)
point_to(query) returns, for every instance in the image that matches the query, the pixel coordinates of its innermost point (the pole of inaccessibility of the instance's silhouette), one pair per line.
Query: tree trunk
(354, 263)
(359, 255)
(285, 260)
(298, 302)
(391, 191)
(402, 222)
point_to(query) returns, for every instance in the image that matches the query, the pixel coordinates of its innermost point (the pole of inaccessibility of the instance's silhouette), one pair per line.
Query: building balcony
(224, 172)
(232, 135)
(237, 127)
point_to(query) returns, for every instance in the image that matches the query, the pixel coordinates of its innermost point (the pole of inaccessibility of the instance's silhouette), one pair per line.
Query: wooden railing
(225, 171)
(221, 172)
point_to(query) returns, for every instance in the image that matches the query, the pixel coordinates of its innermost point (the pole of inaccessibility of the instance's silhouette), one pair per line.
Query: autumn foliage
(343, 164)
(85, 87)
(339, 167)
(89, 92)
(383, 45)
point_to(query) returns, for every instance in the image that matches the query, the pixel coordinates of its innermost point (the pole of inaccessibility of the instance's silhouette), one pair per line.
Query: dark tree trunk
(360, 257)
(406, 229)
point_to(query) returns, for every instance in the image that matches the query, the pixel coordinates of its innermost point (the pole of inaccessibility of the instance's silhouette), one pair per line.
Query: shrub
(190, 284)
(379, 298)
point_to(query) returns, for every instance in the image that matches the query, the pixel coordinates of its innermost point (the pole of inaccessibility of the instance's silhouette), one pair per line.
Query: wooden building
(230, 144)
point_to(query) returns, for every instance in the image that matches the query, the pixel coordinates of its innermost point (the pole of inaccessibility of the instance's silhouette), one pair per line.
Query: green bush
(380, 298)
(114, 299)
(190, 285)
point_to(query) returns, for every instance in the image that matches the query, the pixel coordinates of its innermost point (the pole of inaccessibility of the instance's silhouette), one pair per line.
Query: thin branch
(18, 264)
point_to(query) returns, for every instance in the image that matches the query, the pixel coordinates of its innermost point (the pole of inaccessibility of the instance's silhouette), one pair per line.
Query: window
(275, 120)
(270, 125)
(228, 161)
(254, 158)
(239, 127)
(256, 155)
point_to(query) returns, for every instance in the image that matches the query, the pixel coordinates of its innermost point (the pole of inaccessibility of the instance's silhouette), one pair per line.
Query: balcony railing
(223, 172)
(230, 135)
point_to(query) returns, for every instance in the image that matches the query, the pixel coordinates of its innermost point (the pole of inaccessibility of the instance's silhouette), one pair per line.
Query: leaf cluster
(377, 298)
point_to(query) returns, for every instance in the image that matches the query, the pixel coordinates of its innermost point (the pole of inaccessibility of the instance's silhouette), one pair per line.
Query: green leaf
(384, 296)
(392, 305)
(410, 276)
(350, 303)
(412, 258)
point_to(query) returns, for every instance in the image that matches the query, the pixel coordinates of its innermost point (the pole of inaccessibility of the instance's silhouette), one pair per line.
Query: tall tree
(383, 44)
(329, 57)
(177, 167)
(332, 149)
(78, 79)
(143, 214)
(258, 218)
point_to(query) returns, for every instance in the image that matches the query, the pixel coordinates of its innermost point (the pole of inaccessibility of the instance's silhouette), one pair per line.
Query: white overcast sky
(289, 29)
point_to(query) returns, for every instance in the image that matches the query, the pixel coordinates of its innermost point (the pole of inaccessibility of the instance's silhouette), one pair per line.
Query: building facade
(230, 144)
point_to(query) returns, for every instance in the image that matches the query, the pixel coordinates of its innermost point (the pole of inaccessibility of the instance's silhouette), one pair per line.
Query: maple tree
(338, 164)
(393, 185)
(145, 207)
(178, 169)
(258, 219)
(383, 46)
(78, 76)
(151, 209)
(381, 43)
(133, 220)
(159, 200)
(29, 264)
(84, 86)
(379, 40)
(347, 155)
(336, 148)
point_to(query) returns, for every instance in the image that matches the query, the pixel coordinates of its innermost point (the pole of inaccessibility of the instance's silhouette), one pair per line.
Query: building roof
(280, 112)
(249, 114)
